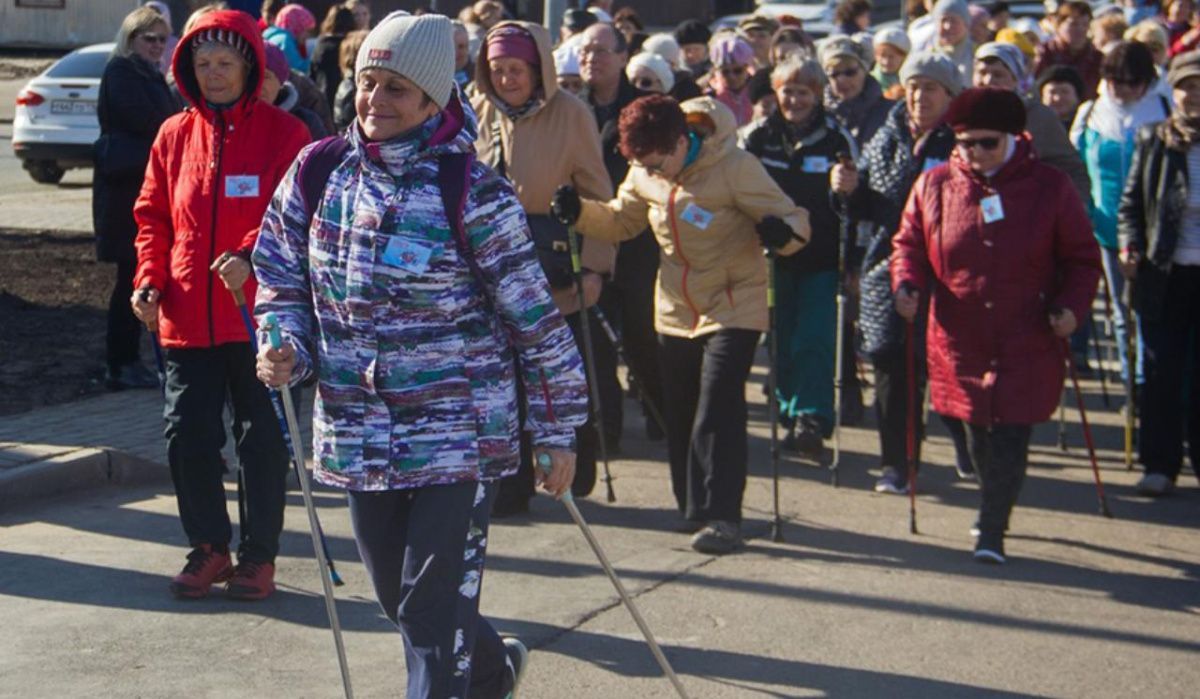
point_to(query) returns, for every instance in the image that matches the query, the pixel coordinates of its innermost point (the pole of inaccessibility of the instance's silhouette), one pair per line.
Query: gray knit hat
(838, 46)
(418, 48)
(1007, 54)
(935, 66)
(952, 7)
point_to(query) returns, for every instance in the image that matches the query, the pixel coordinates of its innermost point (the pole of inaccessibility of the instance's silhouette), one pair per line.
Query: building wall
(61, 23)
(653, 12)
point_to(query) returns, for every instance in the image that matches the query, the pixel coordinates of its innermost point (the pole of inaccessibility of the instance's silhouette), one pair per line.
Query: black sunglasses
(986, 143)
(153, 38)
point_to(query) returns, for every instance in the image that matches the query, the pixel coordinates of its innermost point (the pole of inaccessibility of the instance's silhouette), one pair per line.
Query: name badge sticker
(241, 186)
(815, 164)
(697, 216)
(407, 255)
(931, 163)
(992, 209)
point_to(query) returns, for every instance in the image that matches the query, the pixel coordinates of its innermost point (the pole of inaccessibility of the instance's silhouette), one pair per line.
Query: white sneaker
(890, 481)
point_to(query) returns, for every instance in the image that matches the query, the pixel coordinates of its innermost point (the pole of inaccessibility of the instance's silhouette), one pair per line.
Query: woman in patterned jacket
(408, 306)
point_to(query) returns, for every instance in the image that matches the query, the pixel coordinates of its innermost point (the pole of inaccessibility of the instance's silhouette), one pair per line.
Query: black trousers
(704, 384)
(1170, 398)
(1000, 455)
(520, 485)
(892, 406)
(198, 382)
(628, 302)
(424, 549)
(124, 331)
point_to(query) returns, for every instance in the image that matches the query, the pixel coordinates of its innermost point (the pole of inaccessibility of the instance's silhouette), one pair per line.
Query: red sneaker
(206, 566)
(251, 581)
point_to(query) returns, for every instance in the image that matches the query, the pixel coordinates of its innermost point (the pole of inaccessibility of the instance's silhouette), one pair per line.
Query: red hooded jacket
(993, 358)
(210, 177)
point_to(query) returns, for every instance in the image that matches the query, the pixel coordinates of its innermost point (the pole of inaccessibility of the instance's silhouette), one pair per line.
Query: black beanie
(692, 31)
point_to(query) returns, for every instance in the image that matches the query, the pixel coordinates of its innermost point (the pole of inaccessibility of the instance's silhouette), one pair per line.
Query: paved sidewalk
(849, 605)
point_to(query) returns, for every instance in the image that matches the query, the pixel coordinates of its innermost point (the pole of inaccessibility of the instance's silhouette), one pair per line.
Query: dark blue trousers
(424, 550)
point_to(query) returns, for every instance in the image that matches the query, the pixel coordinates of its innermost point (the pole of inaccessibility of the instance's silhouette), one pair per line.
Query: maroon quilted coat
(993, 358)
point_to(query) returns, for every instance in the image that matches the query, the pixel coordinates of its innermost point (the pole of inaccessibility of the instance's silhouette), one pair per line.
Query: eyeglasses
(734, 71)
(847, 73)
(153, 38)
(986, 143)
(646, 84)
(596, 51)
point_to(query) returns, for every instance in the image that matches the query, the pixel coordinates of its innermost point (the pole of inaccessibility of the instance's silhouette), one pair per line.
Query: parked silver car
(55, 124)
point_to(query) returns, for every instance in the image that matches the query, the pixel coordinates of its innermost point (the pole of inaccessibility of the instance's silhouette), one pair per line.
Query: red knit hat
(987, 108)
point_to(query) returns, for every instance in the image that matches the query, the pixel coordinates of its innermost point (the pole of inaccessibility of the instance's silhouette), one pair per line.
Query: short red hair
(649, 125)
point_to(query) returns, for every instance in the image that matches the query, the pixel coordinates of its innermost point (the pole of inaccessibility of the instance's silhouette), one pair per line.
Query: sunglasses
(153, 38)
(847, 73)
(733, 72)
(986, 143)
(646, 84)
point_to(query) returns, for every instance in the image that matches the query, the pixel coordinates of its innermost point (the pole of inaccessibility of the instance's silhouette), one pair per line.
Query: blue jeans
(1120, 312)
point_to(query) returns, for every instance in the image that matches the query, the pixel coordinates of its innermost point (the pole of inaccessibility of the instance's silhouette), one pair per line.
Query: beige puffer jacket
(712, 273)
(556, 144)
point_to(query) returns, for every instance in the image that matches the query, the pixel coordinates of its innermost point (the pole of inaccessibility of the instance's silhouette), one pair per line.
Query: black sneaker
(990, 548)
(516, 657)
(718, 537)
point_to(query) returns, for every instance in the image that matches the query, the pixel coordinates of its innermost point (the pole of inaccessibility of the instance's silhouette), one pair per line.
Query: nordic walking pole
(615, 339)
(839, 334)
(239, 299)
(1062, 420)
(910, 417)
(1100, 366)
(544, 462)
(158, 353)
(589, 359)
(271, 325)
(1130, 367)
(773, 396)
(1087, 434)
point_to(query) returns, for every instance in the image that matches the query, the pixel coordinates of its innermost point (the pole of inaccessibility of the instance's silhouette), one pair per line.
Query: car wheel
(45, 171)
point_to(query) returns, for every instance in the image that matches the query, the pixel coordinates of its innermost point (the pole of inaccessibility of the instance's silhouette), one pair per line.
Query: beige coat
(556, 144)
(712, 273)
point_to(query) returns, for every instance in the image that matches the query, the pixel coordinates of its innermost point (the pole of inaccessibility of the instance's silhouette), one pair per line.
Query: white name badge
(992, 209)
(696, 216)
(237, 186)
(816, 163)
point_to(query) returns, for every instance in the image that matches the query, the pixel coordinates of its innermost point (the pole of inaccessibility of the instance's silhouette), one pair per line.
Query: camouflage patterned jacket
(414, 362)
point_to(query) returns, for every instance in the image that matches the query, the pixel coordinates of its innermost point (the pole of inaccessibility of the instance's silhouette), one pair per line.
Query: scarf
(516, 113)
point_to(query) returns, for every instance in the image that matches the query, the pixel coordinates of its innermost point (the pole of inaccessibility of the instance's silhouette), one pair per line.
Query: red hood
(181, 65)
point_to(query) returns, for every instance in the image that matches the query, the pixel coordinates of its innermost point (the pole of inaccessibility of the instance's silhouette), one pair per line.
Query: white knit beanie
(418, 48)
(655, 64)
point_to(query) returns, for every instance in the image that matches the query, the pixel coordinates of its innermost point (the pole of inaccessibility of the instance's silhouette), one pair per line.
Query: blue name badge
(817, 164)
(240, 186)
(931, 163)
(407, 255)
(696, 216)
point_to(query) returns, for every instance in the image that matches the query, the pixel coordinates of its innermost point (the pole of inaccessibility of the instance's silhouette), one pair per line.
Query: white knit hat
(894, 36)
(418, 48)
(665, 46)
(655, 64)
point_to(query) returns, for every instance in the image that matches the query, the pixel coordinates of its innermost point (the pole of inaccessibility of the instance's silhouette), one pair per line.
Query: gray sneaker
(718, 537)
(1155, 484)
(516, 656)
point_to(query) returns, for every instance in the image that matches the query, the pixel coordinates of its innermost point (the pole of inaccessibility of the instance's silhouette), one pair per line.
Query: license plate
(72, 107)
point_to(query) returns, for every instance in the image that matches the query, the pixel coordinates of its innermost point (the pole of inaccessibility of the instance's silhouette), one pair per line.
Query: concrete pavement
(849, 605)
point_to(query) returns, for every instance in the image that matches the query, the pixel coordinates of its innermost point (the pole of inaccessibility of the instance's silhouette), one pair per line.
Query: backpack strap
(314, 172)
(454, 178)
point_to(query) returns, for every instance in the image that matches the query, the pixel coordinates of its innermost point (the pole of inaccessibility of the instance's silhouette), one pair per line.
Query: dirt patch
(53, 303)
(15, 68)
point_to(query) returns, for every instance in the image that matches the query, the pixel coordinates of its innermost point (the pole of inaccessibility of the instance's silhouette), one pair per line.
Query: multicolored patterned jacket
(414, 361)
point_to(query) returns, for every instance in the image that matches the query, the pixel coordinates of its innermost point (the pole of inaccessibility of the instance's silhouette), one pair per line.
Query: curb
(82, 469)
